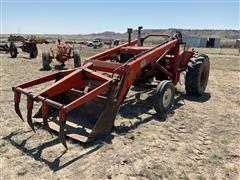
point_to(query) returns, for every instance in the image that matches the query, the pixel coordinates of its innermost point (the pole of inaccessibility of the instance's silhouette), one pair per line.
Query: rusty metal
(45, 116)
(29, 112)
(17, 98)
(82, 103)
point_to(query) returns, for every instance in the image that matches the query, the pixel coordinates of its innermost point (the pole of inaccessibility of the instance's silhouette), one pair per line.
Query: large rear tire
(164, 97)
(197, 75)
(46, 61)
(13, 50)
(77, 59)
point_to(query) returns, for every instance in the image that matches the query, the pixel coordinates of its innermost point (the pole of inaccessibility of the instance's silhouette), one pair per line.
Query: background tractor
(28, 46)
(64, 53)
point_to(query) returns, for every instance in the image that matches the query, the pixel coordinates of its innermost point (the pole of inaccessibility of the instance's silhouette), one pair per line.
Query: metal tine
(46, 125)
(17, 97)
(29, 112)
(62, 119)
(17, 110)
(29, 119)
(45, 114)
(62, 135)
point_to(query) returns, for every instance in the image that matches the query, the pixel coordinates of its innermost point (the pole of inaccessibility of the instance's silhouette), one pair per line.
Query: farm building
(237, 45)
(203, 42)
(194, 41)
(213, 43)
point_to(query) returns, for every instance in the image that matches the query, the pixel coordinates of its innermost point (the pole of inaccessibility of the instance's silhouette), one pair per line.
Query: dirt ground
(199, 139)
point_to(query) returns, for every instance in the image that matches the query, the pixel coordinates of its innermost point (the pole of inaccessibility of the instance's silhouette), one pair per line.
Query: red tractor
(64, 53)
(28, 46)
(82, 103)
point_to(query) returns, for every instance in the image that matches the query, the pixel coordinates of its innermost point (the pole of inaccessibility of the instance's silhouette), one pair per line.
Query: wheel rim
(167, 97)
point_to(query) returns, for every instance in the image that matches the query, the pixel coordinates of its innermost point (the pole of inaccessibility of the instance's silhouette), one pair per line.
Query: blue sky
(74, 17)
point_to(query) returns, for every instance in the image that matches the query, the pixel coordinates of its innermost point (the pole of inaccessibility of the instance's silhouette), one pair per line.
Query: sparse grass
(225, 140)
(155, 172)
(183, 176)
(219, 51)
(201, 177)
(89, 51)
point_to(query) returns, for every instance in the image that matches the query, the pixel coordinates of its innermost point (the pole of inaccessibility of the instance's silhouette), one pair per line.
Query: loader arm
(134, 68)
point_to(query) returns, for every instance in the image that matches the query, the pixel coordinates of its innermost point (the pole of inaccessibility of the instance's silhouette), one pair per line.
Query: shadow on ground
(131, 108)
(59, 67)
(36, 152)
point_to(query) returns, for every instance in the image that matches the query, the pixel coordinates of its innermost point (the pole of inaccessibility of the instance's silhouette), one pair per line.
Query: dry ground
(200, 138)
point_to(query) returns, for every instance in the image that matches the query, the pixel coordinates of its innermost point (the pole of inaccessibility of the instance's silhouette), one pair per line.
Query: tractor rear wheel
(77, 59)
(46, 61)
(33, 52)
(197, 75)
(164, 97)
(13, 50)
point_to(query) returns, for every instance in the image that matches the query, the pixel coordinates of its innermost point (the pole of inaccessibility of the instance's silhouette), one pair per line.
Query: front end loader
(82, 103)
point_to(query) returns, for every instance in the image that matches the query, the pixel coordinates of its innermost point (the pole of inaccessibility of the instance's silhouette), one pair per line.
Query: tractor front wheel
(164, 97)
(46, 61)
(13, 50)
(197, 75)
(33, 53)
(77, 59)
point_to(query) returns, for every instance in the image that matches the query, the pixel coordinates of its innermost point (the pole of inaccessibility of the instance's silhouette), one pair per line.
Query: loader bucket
(79, 104)
(86, 122)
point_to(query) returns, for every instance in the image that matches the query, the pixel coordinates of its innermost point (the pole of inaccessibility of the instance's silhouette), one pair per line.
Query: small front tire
(164, 97)
(77, 59)
(13, 50)
(46, 61)
(33, 53)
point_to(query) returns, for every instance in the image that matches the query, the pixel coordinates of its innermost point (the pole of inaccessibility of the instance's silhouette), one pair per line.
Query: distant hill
(224, 34)
(231, 35)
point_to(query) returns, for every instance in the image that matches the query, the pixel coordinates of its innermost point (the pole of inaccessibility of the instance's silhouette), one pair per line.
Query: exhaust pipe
(139, 42)
(129, 31)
